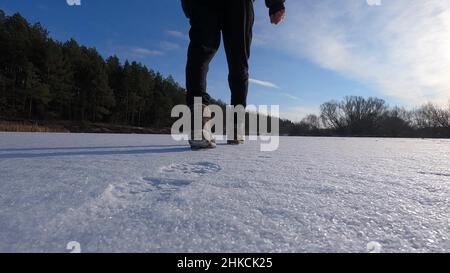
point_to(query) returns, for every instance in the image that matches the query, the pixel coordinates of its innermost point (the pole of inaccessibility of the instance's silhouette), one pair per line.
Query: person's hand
(277, 17)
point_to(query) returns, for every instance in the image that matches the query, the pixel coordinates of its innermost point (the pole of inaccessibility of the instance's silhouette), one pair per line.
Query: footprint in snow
(199, 168)
(161, 183)
(163, 186)
(148, 185)
(166, 187)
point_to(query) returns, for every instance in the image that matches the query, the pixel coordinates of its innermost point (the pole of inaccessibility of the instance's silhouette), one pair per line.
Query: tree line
(44, 79)
(359, 116)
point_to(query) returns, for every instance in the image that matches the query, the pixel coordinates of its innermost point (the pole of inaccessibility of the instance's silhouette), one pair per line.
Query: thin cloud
(271, 85)
(177, 34)
(401, 48)
(292, 97)
(137, 53)
(144, 52)
(264, 84)
(297, 113)
(169, 46)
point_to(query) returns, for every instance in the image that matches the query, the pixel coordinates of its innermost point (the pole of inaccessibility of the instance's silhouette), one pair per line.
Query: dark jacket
(273, 5)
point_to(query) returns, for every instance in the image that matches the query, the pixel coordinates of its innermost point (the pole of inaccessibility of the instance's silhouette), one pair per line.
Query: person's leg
(237, 35)
(205, 40)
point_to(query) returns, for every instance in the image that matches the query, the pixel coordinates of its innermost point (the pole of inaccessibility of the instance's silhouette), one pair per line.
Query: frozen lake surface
(141, 193)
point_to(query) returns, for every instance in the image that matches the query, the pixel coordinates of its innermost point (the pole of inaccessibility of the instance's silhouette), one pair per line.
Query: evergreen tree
(59, 77)
(45, 79)
(115, 73)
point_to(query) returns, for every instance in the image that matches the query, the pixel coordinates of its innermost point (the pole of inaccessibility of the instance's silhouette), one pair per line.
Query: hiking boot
(238, 136)
(235, 142)
(202, 138)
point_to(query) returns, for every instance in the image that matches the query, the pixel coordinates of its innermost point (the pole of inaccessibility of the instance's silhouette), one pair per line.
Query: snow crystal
(142, 193)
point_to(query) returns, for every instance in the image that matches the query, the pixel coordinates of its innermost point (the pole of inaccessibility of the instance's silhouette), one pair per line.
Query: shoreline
(34, 126)
(78, 127)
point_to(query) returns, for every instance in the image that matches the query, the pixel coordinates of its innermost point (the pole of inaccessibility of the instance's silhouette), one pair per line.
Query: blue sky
(398, 50)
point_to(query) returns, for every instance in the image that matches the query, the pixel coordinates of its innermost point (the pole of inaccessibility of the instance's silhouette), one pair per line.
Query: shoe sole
(235, 142)
(202, 145)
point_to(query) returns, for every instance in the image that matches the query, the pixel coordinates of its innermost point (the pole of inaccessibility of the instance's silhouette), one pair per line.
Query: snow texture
(142, 193)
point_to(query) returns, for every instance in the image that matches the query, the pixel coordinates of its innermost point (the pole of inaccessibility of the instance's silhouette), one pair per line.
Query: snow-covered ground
(141, 193)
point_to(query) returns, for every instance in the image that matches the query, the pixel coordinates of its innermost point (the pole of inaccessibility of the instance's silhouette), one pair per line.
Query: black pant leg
(205, 41)
(237, 34)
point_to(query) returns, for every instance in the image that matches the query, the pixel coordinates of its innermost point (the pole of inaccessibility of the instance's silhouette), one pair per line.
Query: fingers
(278, 17)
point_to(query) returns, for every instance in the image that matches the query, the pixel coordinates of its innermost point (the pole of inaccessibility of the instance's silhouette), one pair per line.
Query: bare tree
(312, 122)
(363, 115)
(431, 115)
(401, 113)
(331, 115)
